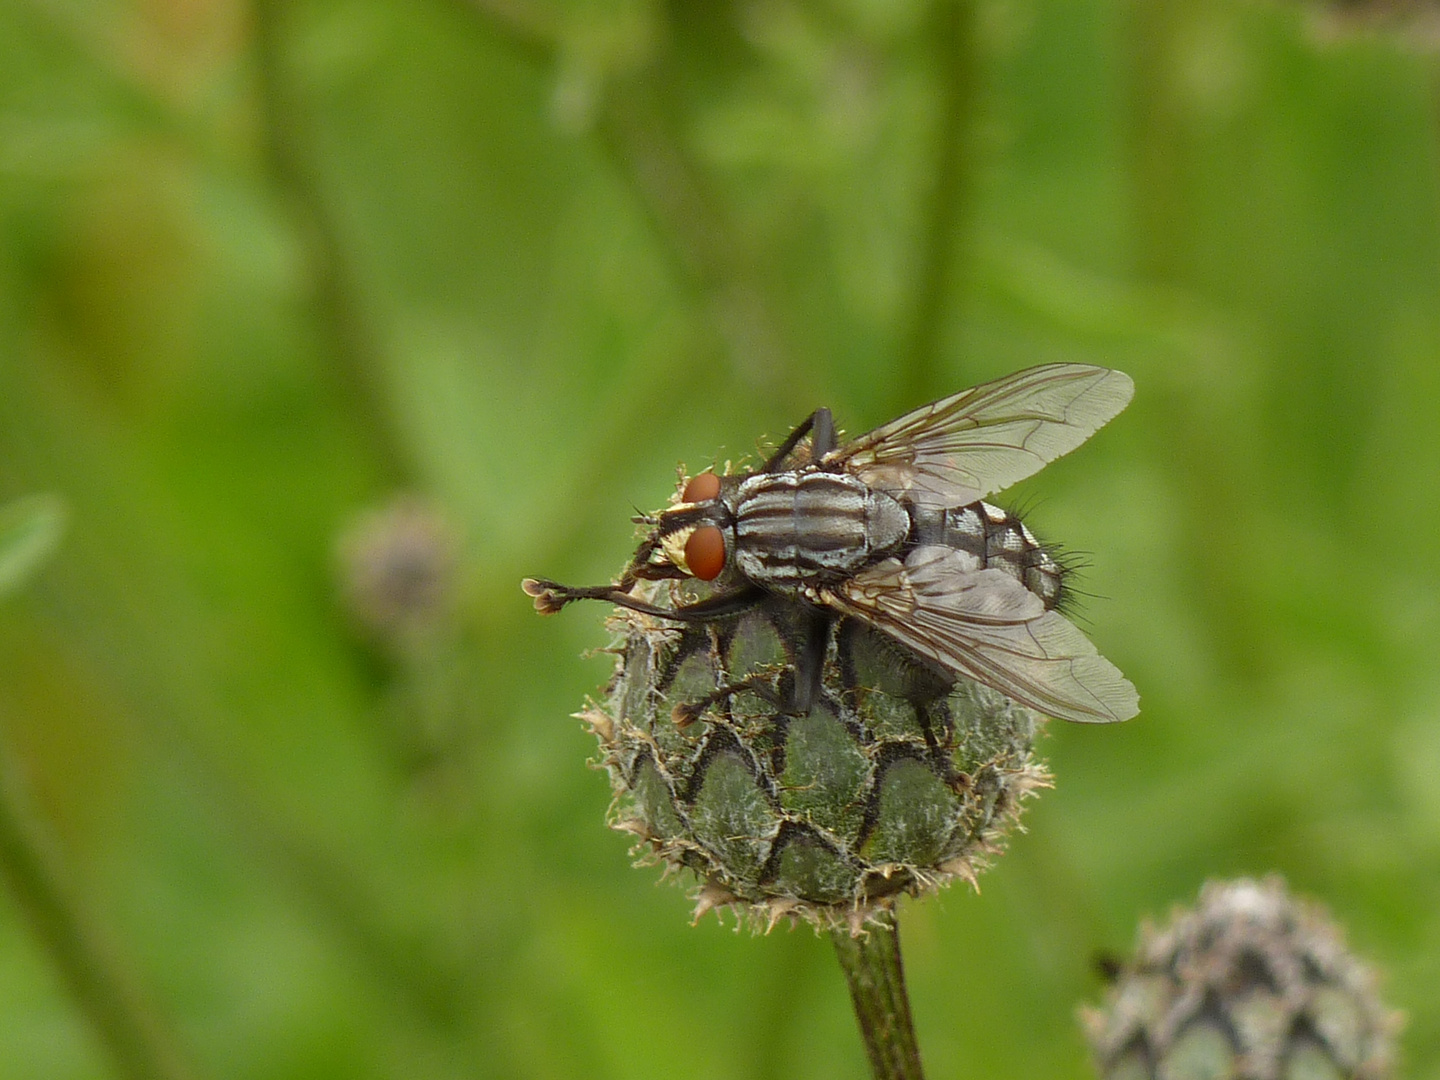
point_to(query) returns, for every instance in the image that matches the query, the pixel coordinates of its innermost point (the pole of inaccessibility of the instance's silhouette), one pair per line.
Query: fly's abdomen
(996, 539)
(797, 528)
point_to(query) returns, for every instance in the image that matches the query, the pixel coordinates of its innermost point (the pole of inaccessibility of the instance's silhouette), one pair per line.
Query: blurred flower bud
(898, 780)
(399, 569)
(1415, 22)
(1250, 984)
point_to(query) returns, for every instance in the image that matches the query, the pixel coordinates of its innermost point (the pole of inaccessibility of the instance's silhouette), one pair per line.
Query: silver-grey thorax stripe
(793, 527)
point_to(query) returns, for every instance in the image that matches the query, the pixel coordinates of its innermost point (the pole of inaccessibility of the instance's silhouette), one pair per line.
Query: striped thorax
(796, 528)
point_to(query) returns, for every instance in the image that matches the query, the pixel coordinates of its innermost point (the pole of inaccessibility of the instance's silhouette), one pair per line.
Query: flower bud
(399, 569)
(1411, 23)
(1251, 984)
(896, 781)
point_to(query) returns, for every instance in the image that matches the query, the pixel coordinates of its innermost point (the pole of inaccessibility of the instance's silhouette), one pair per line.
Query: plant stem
(138, 1041)
(637, 126)
(1161, 147)
(946, 203)
(355, 363)
(872, 966)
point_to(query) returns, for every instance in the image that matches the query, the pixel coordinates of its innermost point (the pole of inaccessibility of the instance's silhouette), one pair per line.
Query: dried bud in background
(399, 569)
(400, 579)
(1250, 984)
(897, 781)
(1414, 22)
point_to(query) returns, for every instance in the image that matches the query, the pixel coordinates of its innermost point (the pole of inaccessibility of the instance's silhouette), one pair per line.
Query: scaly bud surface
(896, 781)
(1250, 984)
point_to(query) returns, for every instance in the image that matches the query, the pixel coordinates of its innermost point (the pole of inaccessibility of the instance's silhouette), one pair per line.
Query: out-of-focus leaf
(30, 528)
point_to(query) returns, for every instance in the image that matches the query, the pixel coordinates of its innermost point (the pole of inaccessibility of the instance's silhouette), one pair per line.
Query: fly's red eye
(705, 550)
(701, 488)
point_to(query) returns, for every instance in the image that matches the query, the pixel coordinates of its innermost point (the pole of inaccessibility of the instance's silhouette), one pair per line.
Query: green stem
(873, 969)
(355, 361)
(636, 125)
(137, 1040)
(1159, 143)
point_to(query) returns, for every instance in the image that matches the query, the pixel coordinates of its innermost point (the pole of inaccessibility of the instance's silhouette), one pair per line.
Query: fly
(891, 528)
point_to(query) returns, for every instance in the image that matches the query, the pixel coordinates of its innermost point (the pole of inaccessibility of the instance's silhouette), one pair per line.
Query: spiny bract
(896, 781)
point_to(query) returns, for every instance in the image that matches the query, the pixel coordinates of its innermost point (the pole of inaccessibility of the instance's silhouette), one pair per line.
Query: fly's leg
(822, 434)
(809, 667)
(639, 563)
(551, 596)
(810, 662)
(940, 753)
(652, 572)
(808, 636)
(925, 690)
(687, 712)
(822, 441)
(845, 632)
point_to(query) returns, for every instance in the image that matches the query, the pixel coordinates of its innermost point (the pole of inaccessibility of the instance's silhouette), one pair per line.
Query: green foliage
(30, 529)
(524, 268)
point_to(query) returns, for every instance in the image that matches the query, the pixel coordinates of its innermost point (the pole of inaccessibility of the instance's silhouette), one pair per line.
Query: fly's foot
(550, 596)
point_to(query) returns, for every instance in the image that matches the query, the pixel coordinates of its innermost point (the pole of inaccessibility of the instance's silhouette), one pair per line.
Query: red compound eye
(705, 550)
(701, 488)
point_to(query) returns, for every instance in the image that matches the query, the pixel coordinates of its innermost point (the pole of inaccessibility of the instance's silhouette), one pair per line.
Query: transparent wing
(979, 441)
(986, 626)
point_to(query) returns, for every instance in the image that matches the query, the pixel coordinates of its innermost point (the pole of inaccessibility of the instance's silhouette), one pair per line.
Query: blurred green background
(264, 267)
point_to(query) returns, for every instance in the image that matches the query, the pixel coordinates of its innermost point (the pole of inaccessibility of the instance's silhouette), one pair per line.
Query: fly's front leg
(639, 563)
(652, 572)
(551, 596)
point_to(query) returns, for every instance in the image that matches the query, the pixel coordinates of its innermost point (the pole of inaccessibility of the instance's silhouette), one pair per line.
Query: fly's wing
(962, 448)
(986, 626)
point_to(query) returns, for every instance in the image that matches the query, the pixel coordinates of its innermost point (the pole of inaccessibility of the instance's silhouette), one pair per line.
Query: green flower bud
(1251, 984)
(896, 781)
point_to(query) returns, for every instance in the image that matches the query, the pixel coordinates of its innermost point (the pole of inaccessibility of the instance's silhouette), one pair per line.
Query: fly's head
(696, 534)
